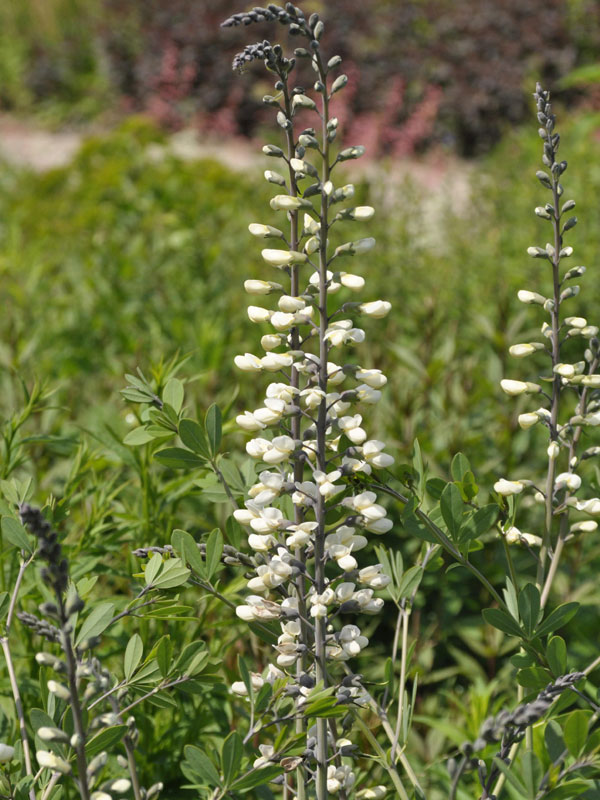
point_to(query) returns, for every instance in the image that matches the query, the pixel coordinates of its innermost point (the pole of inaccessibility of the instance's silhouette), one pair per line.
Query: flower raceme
(578, 379)
(306, 521)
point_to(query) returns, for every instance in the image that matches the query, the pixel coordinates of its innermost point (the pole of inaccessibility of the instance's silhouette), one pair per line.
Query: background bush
(431, 71)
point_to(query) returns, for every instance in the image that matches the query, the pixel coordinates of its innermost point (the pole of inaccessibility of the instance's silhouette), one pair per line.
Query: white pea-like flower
(273, 362)
(373, 454)
(239, 687)
(267, 751)
(372, 793)
(350, 426)
(287, 202)
(567, 480)
(248, 363)
(523, 350)
(553, 451)
(121, 785)
(253, 286)
(6, 753)
(507, 488)
(528, 419)
(366, 394)
(591, 506)
(371, 377)
(259, 314)
(283, 258)
(587, 526)
(376, 308)
(248, 422)
(353, 282)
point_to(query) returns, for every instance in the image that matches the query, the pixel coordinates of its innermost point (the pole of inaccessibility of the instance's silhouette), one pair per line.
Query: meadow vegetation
(131, 258)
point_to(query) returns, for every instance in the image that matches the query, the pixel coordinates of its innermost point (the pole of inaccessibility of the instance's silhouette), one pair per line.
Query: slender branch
(4, 642)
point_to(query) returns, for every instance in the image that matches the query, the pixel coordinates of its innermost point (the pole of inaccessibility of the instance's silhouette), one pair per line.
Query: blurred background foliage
(129, 255)
(421, 71)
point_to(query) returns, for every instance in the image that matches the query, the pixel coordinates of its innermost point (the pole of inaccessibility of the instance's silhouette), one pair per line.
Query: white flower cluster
(312, 440)
(580, 377)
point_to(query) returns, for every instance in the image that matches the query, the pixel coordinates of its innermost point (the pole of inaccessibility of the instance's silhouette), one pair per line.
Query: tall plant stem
(296, 418)
(445, 542)
(78, 725)
(4, 641)
(556, 556)
(556, 386)
(321, 622)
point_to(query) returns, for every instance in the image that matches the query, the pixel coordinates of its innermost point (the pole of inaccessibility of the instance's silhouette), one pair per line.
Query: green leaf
(257, 777)
(40, 719)
(133, 655)
(459, 467)
(410, 581)
(435, 487)
(480, 522)
(503, 621)
(413, 526)
(173, 574)
(96, 622)
(153, 568)
(137, 437)
(452, 507)
(556, 653)
(529, 608)
(555, 744)
(15, 534)
(201, 765)
(4, 604)
(566, 791)
(245, 675)
(214, 551)
(163, 655)
(213, 426)
(192, 435)
(560, 616)
(178, 458)
(105, 739)
(575, 731)
(231, 756)
(534, 678)
(185, 544)
(173, 394)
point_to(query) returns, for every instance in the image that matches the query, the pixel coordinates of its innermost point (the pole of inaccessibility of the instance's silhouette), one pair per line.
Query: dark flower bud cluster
(509, 727)
(39, 626)
(290, 15)
(56, 574)
(513, 723)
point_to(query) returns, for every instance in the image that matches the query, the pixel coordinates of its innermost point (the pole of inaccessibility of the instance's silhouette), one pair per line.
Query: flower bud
(264, 231)
(514, 388)
(52, 761)
(351, 152)
(6, 753)
(283, 258)
(273, 151)
(339, 83)
(553, 451)
(526, 296)
(523, 350)
(287, 202)
(376, 309)
(303, 101)
(59, 690)
(52, 735)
